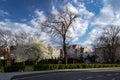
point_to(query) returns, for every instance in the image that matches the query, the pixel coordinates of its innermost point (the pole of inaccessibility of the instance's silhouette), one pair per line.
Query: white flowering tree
(34, 50)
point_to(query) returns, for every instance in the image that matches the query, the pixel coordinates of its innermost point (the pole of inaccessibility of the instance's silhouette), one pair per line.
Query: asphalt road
(76, 75)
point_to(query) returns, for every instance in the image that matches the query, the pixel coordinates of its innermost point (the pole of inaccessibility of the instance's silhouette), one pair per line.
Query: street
(76, 75)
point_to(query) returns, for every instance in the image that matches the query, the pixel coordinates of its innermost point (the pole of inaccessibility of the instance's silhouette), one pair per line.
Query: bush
(53, 67)
(89, 66)
(14, 68)
(1, 69)
(2, 62)
(41, 67)
(71, 66)
(57, 66)
(49, 61)
(29, 68)
(29, 62)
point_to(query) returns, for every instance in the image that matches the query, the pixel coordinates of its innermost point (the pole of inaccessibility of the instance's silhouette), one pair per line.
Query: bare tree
(22, 37)
(109, 42)
(58, 27)
(5, 37)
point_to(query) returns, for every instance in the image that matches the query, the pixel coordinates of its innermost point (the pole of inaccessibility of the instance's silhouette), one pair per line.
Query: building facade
(75, 51)
(55, 53)
(103, 57)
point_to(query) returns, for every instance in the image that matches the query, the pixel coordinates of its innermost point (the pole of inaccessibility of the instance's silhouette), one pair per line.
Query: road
(76, 75)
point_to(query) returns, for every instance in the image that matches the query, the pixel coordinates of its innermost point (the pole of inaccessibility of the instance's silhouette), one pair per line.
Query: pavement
(14, 75)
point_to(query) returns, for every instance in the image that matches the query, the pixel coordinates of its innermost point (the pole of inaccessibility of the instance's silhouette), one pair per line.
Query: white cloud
(17, 28)
(115, 4)
(96, 32)
(39, 17)
(80, 26)
(109, 14)
(3, 13)
(71, 8)
(35, 22)
(54, 11)
(75, 1)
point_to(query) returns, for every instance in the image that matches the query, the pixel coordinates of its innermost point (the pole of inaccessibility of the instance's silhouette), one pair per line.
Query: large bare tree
(109, 42)
(5, 37)
(58, 27)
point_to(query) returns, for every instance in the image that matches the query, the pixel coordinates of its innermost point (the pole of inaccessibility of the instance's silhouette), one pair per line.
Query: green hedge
(14, 68)
(71, 66)
(29, 68)
(39, 67)
(1, 69)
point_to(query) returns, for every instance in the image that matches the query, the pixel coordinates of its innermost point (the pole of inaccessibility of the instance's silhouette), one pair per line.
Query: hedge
(14, 68)
(39, 67)
(71, 66)
(1, 69)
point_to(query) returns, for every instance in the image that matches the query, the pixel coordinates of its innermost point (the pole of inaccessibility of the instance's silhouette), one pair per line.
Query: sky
(93, 17)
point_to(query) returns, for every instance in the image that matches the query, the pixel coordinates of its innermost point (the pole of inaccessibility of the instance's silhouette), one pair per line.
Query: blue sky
(94, 16)
(24, 9)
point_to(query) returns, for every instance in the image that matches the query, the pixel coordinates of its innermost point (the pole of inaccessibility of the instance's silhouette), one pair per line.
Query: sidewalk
(8, 76)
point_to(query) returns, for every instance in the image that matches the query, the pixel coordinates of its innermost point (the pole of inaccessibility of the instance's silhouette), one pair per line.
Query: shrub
(54, 67)
(71, 66)
(83, 66)
(90, 66)
(41, 67)
(61, 66)
(14, 68)
(1, 69)
(2, 62)
(29, 68)
(49, 61)
(29, 62)
(57, 66)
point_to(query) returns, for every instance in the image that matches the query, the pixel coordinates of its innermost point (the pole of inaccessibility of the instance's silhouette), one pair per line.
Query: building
(117, 56)
(86, 50)
(7, 52)
(104, 57)
(55, 53)
(75, 51)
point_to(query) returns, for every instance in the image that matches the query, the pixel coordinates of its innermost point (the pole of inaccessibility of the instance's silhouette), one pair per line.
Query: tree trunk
(36, 60)
(113, 55)
(8, 59)
(65, 51)
(65, 54)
